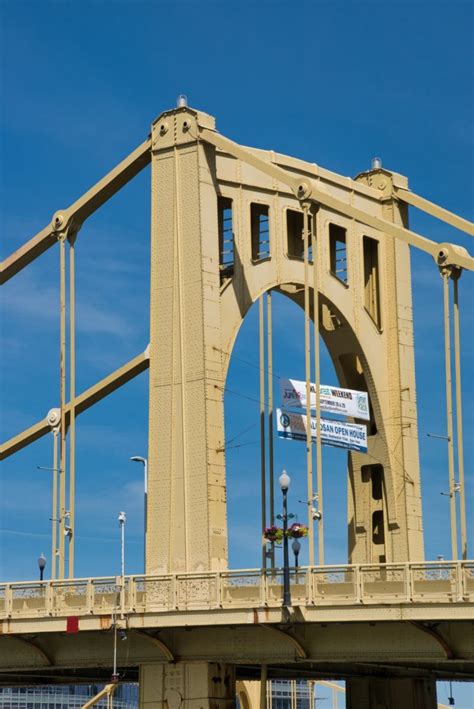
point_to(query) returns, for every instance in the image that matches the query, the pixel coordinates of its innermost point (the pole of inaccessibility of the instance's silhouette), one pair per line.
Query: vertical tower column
(393, 450)
(186, 525)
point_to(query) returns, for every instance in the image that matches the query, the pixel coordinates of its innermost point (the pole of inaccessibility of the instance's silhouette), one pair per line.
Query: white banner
(333, 399)
(333, 433)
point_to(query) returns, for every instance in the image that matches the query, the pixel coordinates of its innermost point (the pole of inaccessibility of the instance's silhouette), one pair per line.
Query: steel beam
(78, 212)
(381, 646)
(84, 401)
(434, 210)
(445, 254)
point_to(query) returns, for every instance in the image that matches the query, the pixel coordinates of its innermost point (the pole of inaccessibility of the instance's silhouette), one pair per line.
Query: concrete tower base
(185, 685)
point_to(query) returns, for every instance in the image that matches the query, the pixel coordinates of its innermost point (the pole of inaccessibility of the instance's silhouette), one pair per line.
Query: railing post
(8, 600)
(175, 590)
(263, 588)
(219, 589)
(408, 582)
(132, 593)
(459, 576)
(465, 577)
(90, 596)
(358, 584)
(467, 570)
(48, 598)
(309, 585)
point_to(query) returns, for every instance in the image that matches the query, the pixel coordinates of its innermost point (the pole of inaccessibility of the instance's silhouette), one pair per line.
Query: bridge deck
(345, 621)
(420, 589)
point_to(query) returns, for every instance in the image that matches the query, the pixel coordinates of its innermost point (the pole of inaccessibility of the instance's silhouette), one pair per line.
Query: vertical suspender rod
(460, 445)
(54, 515)
(307, 352)
(72, 395)
(261, 332)
(270, 419)
(449, 415)
(317, 382)
(62, 389)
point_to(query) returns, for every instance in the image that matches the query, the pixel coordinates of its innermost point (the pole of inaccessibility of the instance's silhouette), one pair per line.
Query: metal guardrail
(404, 583)
(40, 697)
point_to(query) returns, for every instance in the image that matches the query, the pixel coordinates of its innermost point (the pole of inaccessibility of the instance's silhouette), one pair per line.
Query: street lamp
(41, 564)
(285, 482)
(144, 461)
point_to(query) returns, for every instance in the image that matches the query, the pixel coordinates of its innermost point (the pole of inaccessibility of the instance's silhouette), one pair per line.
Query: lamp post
(285, 481)
(144, 461)
(122, 518)
(41, 565)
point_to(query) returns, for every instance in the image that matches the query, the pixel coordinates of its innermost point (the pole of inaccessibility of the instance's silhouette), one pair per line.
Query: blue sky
(333, 83)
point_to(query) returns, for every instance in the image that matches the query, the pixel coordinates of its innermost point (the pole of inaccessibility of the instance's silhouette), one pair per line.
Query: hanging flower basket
(273, 534)
(298, 530)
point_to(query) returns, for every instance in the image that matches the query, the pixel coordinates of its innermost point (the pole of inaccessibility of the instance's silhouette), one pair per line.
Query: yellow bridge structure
(230, 226)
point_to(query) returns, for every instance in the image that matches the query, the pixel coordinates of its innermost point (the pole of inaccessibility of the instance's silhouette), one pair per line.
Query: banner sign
(352, 436)
(333, 399)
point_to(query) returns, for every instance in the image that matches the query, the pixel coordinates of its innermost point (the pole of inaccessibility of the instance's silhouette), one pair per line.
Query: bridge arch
(345, 361)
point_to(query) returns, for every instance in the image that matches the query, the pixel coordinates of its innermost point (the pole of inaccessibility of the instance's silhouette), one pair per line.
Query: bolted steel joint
(442, 256)
(446, 256)
(58, 222)
(65, 226)
(303, 190)
(53, 418)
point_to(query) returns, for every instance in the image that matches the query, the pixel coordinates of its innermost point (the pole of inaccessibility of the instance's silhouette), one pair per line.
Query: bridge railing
(415, 582)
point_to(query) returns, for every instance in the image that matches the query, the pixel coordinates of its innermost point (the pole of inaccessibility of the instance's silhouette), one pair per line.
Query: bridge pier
(389, 693)
(187, 685)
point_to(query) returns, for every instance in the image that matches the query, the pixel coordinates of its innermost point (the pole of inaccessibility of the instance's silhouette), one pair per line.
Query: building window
(226, 237)
(376, 475)
(338, 252)
(295, 236)
(378, 533)
(260, 231)
(372, 279)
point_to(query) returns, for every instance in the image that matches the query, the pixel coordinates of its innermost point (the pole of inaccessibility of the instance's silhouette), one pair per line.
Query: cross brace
(84, 401)
(73, 217)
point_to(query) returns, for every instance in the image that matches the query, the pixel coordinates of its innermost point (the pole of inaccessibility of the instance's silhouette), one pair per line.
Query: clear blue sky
(331, 82)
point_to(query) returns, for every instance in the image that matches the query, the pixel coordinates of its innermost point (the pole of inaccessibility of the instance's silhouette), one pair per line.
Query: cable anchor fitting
(65, 226)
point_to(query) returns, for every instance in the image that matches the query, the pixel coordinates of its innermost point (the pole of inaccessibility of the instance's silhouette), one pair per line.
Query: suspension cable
(54, 515)
(72, 396)
(62, 389)
(460, 446)
(449, 414)
(307, 351)
(261, 335)
(317, 382)
(270, 420)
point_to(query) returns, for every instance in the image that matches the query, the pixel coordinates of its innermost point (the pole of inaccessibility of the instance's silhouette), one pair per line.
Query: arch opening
(241, 407)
